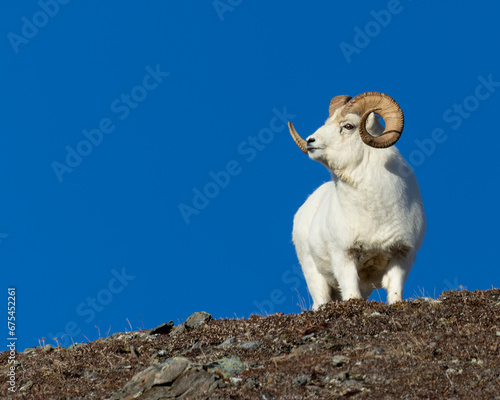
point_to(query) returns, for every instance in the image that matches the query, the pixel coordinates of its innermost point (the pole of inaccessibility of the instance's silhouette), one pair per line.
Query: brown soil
(420, 349)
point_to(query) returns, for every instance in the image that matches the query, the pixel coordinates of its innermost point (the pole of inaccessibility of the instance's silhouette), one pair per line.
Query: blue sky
(146, 169)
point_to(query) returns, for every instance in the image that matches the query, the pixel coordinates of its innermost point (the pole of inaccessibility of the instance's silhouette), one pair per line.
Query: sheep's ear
(372, 120)
(374, 124)
(376, 118)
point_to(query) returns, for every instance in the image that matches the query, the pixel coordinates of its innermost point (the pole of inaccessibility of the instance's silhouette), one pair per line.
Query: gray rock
(429, 300)
(170, 370)
(228, 366)
(163, 329)
(175, 378)
(161, 356)
(375, 314)
(196, 320)
(227, 344)
(301, 380)
(249, 345)
(162, 353)
(74, 346)
(327, 380)
(194, 348)
(178, 330)
(338, 361)
(235, 381)
(308, 337)
(30, 350)
(377, 351)
(334, 346)
(342, 376)
(304, 348)
(335, 379)
(249, 384)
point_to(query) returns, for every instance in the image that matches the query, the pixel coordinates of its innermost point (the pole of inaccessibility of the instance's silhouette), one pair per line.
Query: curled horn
(296, 138)
(337, 102)
(385, 106)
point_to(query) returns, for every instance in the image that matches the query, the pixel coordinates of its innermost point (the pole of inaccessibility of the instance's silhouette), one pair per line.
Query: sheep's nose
(311, 140)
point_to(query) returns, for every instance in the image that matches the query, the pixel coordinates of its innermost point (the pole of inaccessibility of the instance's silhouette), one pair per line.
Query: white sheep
(361, 230)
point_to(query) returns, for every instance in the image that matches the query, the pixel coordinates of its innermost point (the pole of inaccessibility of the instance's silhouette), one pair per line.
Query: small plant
(142, 323)
(88, 340)
(71, 337)
(129, 324)
(98, 331)
(302, 302)
(378, 293)
(422, 295)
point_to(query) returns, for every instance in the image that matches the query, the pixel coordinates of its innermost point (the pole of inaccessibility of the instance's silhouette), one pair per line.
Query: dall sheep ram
(361, 230)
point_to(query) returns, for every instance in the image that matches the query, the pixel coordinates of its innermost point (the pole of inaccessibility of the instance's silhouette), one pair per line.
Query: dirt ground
(446, 348)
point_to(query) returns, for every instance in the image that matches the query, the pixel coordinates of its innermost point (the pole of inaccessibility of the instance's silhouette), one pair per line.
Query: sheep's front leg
(321, 292)
(394, 279)
(346, 272)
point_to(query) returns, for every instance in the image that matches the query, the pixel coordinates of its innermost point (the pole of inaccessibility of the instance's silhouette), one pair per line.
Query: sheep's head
(352, 125)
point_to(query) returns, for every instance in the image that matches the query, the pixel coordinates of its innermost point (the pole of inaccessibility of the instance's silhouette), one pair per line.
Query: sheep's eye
(348, 126)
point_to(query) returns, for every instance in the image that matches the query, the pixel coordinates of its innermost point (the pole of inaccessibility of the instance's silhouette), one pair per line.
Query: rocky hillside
(436, 349)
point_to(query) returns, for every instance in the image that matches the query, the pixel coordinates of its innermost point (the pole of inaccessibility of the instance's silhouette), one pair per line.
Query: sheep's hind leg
(394, 279)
